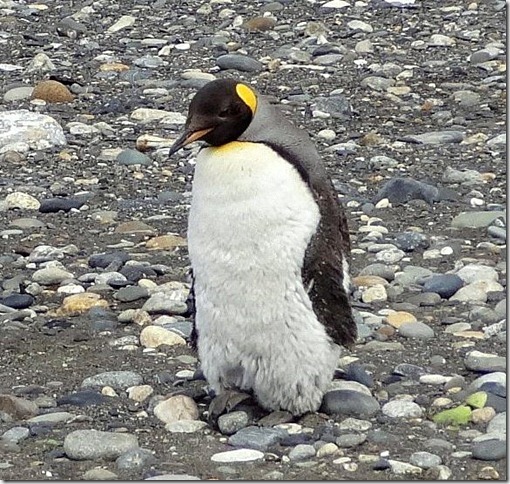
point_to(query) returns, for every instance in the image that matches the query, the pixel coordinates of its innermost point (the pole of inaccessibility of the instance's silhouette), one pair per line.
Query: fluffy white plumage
(251, 219)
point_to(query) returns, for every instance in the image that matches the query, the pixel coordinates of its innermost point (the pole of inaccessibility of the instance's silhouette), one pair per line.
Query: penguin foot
(225, 402)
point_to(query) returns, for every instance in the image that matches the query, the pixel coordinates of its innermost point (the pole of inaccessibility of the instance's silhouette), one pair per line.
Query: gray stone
(417, 330)
(402, 190)
(258, 438)
(135, 459)
(131, 293)
(484, 362)
(377, 83)
(496, 425)
(438, 446)
(498, 232)
(23, 130)
(410, 241)
(49, 276)
(402, 409)
(477, 272)
(496, 377)
(467, 177)
(379, 269)
(232, 422)
(425, 460)
(349, 403)
(15, 434)
(489, 447)
(436, 137)
(185, 426)
(160, 303)
(302, 452)
(476, 220)
(18, 93)
(173, 477)
(350, 440)
(130, 157)
(120, 380)
(239, 62)
(446, 285)
(94, 444)
(52, 418)
(337, 106)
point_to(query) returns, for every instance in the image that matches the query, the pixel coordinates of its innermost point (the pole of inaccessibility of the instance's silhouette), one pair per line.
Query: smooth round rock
(349, 403)
(446, 285)
(425, 460)
(95, 444)
(416, 330)
(119, 380)
(402, 409)
(238, 455)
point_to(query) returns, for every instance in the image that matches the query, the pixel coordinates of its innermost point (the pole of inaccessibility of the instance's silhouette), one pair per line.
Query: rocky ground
(406, 103)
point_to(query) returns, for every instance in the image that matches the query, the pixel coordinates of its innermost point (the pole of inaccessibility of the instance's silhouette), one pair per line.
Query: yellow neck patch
(248, 96)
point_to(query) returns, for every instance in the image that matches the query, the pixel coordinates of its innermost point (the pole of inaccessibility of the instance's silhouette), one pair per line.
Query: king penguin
(269, 248)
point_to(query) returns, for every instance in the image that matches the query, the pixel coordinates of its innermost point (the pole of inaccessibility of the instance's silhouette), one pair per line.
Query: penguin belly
(251, 220)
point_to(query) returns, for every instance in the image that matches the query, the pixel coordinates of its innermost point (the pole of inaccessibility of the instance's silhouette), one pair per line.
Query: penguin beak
(188, 137)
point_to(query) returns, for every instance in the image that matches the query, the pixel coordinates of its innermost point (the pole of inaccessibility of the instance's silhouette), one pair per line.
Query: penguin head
(218, 114)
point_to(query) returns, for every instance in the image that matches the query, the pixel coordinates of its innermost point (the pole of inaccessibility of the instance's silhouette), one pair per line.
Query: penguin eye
(231, 110)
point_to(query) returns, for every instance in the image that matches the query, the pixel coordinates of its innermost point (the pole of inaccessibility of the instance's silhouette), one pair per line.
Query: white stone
(22, 200)
(154, 336)
(185, 426)
(375, 293)
(238, 455)
(122, 23)
(26, 129)
(148, 114)
(402, 409)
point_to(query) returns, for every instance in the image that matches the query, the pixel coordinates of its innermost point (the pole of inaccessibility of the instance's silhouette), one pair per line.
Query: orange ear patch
(248, 96)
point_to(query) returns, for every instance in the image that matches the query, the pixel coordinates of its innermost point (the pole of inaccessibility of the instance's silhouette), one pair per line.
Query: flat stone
(349, 403)
(129, 157)
(489, 447)
(417, 330)
(476, 220)
(476, 273)
(347, 441)
(49, 276)
(64, 204)
(99, 474)
(80, 303)
(398, 318)
(94, 444)
(497, 424)
(119, 380)
(403, 468)
(52, 418)
(425, 460)
(239, 62)
(402, 190)
(15, 434)
(17, 301)
(186, 426)
(173, 477)
(238, 455)
(484, 362)
(258, 438)
(436, 137)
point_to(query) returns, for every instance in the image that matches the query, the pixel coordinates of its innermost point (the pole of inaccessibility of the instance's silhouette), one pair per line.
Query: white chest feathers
(251, 220)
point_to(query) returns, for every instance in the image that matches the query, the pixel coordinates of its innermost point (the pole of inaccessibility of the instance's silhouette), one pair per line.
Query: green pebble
(477, 400)
(458, 416)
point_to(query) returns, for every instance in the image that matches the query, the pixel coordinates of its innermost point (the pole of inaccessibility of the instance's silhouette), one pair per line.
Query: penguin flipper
(324, 268)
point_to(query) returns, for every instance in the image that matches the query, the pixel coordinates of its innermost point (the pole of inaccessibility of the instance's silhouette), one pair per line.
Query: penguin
(269, 247)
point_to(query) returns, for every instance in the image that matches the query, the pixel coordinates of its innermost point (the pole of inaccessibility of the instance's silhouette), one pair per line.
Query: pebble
(135, 460)
(51, 418)
(23, 130)
(402, 409)
(17, 301)
(258, 438)
(497, 424)
(232, 422)
(80, 303)
(95, 444)
(302, 452)
(160, 303)
(484, 362)
(178, 407)
(16, 407)
(417, 330)
(425, 460)
(238, 62)
(15, 434)
(350, 440)
(403, 468)
(186, 426)
(349, 403)
(437, 137)
(402, 190)
(119, 380)
(489, 447)
(156, 336)
(99, 474)
(238, 455)
(173, 477)
(21, 200)
(476, 220)
(446, 285)
(51, 275)
(376, 293)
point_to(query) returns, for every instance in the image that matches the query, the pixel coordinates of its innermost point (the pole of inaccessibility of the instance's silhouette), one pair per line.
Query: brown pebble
(259, 24)
(488, 473)
(52, 92)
